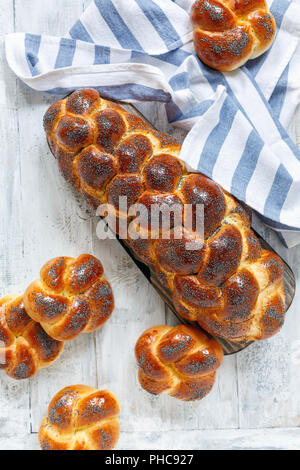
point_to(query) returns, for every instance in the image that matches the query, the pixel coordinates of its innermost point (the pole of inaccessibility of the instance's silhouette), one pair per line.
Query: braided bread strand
(230, 285)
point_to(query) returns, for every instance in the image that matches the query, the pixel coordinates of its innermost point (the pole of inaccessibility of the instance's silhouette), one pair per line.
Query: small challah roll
(180, 361)
(81, 418)
(229, 284)
(71, 297)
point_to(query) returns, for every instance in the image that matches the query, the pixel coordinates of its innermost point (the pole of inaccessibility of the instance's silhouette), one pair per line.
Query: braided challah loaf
(230, 285)
(81, 418)
(71, 297)
(227, 33)
(180, 361)
(24, 346)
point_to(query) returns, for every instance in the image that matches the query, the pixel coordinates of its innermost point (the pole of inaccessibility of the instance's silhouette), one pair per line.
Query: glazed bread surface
(71, 297)
(24, 346)
(231, 286)
(81, 418)
(180, 361)
(227, 33)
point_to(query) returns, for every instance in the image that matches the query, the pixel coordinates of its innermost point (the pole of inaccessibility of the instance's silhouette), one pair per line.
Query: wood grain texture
(256, 391)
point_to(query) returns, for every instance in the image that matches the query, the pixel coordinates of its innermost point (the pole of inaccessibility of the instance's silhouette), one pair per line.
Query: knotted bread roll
(24, 346)
(227, 33)
(180, 361)
(71, 297)
(81, 418)
(228, 284)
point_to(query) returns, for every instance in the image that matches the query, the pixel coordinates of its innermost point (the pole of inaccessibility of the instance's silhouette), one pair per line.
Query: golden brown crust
(180, 361)
(71, 297)
(227, 33)
(24, 346)
(81, 418)
(227, 283)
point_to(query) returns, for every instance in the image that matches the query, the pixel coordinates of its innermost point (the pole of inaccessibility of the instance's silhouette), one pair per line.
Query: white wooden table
(255, 402)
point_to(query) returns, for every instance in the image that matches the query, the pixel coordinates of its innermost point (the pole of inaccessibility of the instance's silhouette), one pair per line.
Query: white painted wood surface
(255, 402)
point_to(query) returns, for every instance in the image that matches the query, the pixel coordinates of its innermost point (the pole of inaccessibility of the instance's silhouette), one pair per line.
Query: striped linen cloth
(241, 124)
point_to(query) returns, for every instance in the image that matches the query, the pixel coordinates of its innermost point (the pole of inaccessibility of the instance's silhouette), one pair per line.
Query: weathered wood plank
(14, 396)
(238, 439)
(268, 372)
(19, 442)
(54, 223)
(139, 307)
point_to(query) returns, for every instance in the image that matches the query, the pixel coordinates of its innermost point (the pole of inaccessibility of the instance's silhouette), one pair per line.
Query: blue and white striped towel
(241, 123)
